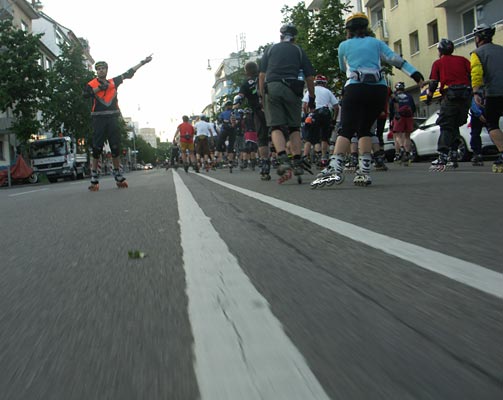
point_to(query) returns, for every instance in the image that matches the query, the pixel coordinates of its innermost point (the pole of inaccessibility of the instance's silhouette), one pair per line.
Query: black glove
(146, 60)
(103, 85)
(312, 102)
(417, 76)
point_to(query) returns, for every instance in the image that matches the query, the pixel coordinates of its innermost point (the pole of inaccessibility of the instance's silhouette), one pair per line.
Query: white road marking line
(241, 351)
(465, 272)
(22, 193)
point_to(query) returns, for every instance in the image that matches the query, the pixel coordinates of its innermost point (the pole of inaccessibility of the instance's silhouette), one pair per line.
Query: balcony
(373, 3)
(464, 40)
(449, 3)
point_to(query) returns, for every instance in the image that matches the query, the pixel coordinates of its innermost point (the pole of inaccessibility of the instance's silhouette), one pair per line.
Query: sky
(181, 35)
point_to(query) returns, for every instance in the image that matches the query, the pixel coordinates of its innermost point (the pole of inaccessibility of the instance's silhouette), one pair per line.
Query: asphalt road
(254, 290)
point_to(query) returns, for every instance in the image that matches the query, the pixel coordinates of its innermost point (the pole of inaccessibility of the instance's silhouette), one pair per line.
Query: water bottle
(300, 76)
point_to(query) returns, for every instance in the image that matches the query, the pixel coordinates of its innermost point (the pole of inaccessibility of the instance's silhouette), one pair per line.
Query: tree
(146, 153)
(22, 79)
(66, 104)
(320, 35)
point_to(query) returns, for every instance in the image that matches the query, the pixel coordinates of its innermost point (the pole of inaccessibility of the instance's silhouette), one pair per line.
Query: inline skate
(330, 175)
(95, 183)
(379, 163)
(265, 170)
(352, 163)
(477, 160)
(440, 164)
(362, 174)
(120, 181)
(498, 164)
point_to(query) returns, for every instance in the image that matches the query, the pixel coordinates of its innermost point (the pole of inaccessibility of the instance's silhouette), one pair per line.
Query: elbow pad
(129, 74)
(395, 61)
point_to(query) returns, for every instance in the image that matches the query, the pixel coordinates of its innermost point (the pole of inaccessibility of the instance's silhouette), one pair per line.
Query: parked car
(425, 138)
(149, 166)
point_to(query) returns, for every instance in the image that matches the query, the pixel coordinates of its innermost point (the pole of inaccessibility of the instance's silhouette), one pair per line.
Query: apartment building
(413, 28)
(148, 134)
(21, 14)
(29, 17)
(223, 87)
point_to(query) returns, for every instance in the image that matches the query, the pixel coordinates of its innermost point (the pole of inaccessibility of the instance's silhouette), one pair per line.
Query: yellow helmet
(357, 20)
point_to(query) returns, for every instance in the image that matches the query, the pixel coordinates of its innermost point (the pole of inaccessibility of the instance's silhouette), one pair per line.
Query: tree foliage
(23, 81)
(65, 104)
(319, 35)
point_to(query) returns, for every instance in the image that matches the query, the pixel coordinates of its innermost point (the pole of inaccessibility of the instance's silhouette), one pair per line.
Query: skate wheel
(313, 185)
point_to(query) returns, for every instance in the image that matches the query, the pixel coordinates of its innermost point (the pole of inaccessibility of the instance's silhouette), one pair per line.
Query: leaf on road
(136, 254)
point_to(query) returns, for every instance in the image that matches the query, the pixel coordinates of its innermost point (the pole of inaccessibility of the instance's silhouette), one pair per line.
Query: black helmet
(484, 32)
(445, 46)
(101, 64)
(357, 21)
(289, 29)
(400, 86)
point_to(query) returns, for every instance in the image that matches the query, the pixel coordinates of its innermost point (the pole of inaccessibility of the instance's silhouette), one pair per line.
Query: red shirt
(186, 132)
(451, 70)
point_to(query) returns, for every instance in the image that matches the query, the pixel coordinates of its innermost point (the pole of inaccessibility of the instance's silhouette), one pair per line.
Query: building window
(414, 42)
(59, 38)
(393, 3)
(397, 47)
(432, 33)
(377, 15)
(469, 21)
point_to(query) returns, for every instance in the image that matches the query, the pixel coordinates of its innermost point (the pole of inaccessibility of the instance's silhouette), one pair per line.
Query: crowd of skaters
(274, 120)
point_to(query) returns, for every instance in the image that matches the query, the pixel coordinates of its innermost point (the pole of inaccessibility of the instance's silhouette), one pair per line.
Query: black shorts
(106, 127)
(226, 134)
(251, 147)
(494, 110)
(361, 105)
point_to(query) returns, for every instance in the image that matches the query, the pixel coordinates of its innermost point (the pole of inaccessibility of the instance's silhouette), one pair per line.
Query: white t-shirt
(204, 128)
(324, 97)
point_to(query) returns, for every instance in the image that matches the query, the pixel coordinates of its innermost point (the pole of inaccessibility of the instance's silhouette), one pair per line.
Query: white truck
(58, 157)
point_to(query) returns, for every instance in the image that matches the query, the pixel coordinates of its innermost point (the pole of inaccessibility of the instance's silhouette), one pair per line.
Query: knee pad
(97, 151)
